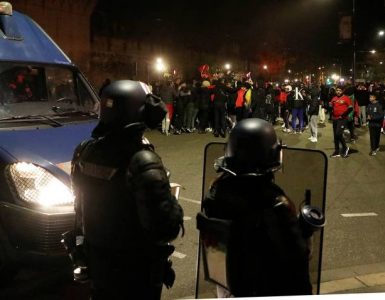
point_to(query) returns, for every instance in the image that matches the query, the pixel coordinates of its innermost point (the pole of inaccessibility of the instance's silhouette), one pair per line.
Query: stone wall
(66, 21)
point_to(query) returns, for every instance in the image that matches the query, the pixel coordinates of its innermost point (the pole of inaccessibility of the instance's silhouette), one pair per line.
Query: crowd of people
(217, 105)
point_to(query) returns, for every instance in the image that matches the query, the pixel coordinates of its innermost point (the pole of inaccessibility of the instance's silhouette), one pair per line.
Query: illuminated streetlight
(159, 65)
(289, 71)
(381, 33)
(381, 62)
(265, 67)
(373, 51)
(335, 77)
(227, 66)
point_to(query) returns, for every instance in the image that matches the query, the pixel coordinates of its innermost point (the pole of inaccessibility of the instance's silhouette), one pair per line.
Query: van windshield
(45, 90)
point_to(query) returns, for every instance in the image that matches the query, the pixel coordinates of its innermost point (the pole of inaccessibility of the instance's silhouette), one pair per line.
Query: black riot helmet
(124, 102)
(253, 147)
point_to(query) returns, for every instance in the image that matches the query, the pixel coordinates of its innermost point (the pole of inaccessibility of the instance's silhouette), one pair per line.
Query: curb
(353, 278)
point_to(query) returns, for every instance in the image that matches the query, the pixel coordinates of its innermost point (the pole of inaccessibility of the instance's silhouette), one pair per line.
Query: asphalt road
(355, 189)
(355, 207)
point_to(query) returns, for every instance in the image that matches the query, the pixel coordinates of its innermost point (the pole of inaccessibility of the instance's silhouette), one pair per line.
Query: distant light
(227, 66)
(159, 65)
(289, 71)
(307, 76)
(286, 80)
(373, 51)
(335, 77)
(342, 79)
(296, 80)
(265, 67)
(381, 33)
(381, 62)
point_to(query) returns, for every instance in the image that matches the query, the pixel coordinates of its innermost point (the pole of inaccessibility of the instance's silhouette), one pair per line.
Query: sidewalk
(356, 279)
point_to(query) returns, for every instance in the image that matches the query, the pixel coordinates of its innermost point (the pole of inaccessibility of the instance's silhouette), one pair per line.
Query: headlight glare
(35, 184)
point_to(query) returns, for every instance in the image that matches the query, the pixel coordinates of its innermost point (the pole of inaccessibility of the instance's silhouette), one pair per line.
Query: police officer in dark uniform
(267, 252)
(125, 210)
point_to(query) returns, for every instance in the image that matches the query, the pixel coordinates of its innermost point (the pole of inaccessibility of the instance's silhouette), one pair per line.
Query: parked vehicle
(47, 107)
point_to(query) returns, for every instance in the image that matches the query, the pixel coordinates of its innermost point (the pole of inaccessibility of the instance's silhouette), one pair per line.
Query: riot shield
(304, 172)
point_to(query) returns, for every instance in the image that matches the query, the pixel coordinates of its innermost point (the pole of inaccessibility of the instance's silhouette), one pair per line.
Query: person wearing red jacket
(341, 107)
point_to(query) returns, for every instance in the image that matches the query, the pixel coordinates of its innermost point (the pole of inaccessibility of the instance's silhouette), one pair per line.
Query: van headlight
(36, 185)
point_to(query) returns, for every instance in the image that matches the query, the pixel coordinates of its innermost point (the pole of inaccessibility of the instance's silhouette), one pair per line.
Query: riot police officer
(124, 206)
(267, 251)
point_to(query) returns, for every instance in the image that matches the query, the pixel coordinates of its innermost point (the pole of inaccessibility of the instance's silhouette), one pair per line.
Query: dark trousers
(375, 134)
(240, 113)
(297, 113)
(338, 130)
(351, 129)
(120, 277)
(203, 116)
(219, 118)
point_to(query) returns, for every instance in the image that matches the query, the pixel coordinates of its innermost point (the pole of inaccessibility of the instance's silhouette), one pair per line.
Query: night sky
(306, 29)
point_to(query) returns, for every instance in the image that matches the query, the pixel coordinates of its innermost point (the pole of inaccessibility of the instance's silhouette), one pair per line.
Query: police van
(47, 107)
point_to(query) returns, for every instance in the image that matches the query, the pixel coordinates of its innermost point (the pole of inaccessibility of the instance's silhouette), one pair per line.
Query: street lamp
(159, 65)
(381, 33)
(373, 51)
(354, 41)
(265, 67)
(227, 66)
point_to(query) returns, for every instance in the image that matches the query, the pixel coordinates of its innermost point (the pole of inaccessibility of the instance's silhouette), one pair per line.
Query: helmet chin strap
(220, 165)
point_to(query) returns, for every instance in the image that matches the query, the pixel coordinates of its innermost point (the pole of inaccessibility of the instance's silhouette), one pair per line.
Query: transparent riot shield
(304, 172)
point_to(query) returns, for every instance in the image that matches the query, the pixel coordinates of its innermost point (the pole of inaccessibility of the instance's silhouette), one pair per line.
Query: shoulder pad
(79, 149)
(144, 160)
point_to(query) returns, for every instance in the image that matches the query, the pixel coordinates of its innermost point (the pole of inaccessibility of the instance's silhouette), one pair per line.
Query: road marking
(370, 214)
(179, 255)
(190, 200)
(186, 218)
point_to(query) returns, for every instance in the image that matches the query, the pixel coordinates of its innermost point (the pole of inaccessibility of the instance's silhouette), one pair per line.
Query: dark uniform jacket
(126, 211)
(267, 254)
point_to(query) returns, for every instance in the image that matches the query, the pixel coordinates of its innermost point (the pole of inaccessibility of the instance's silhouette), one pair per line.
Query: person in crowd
(331, 95)
(269, 104)
(231, 104)
(341, 107)
(203, 94)
(240, 102)
(297, 105)
(259, 100)
(375, 117)
(184, 95)
(314, 107)
(190, 108)
(286, 108)
(219, 104)
(349, 91)
(168, 94)
(361, 94)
